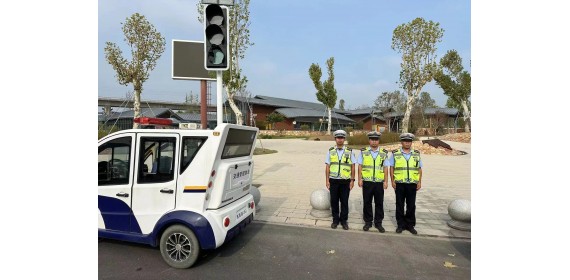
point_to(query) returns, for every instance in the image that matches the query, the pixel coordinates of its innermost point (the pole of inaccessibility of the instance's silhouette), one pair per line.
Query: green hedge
(362, 139)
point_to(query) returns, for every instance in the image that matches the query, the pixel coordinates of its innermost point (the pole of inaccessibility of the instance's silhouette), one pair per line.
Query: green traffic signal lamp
(216, 33)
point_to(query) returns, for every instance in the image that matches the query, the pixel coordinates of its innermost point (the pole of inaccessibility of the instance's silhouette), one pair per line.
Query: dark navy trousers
(406, 194)
(340, 190)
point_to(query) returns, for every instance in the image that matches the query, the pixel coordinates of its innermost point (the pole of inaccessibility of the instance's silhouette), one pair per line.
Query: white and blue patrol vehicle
(181, 190)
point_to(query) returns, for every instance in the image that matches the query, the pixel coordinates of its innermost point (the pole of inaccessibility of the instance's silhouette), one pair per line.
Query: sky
(288, 37)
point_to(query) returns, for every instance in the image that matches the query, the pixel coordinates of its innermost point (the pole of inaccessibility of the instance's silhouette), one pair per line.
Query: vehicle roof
(183, 132)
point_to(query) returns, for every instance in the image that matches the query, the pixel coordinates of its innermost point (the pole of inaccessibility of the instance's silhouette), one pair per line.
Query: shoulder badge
(395, 151)
(332, 148)
(363, 149)
(350, 149)
(416, 151)
(385, 151)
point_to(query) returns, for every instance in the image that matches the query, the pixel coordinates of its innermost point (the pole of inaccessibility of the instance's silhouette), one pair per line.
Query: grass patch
(283, 137)
(261, 151)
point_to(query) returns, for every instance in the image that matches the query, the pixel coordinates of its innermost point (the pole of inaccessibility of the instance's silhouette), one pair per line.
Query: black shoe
(366, 227)
(345, 226)
(380, 228)
(334, 225)
(412, 230)
(399, 230)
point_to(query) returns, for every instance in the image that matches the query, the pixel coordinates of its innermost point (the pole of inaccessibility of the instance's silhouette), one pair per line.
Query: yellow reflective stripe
(403, 181)
(195, 188)
(405, 168)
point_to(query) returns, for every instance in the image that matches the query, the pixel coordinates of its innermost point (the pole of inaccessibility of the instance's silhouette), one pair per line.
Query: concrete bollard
(460, 212)
(321, 203)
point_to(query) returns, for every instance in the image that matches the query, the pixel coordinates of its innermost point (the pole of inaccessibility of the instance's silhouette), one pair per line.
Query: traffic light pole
(219, 113)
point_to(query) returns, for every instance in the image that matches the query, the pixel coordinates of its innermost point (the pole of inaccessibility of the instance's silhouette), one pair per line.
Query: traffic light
(216, 45)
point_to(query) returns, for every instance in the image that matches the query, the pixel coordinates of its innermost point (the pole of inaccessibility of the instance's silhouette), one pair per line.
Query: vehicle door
(115, 180)
(154, 190)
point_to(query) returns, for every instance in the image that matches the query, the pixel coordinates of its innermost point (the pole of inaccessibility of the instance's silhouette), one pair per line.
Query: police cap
(373, 134)
(406, 136)
(339, 133)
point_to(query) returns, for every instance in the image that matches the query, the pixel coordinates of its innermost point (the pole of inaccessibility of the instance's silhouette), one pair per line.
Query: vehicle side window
(114, 162)
(190, 147)
(156, 159)
(239, 143)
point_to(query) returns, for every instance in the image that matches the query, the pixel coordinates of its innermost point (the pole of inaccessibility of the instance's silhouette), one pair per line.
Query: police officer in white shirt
(373, 179)
(339, 174)
(406, 174)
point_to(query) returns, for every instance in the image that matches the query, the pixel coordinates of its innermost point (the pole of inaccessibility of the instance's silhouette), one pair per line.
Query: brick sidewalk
(286, 180)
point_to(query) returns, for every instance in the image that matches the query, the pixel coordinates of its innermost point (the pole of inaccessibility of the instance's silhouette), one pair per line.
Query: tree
(273, 118)
(233, 80)
(147, 45)
(391, 100)
(326, 93)
(456, 84)
(416, 42)
(193, 103)
(363, 106)
(417, 115)
(426, 101)
(341, 104)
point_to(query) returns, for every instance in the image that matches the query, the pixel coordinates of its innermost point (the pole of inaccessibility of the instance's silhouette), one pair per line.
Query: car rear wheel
(179, 246)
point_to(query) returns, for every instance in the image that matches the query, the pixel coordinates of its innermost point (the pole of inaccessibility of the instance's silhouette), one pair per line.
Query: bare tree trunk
(137, 107)
(235, 108)
(406, 120)
(466, 115)
(330, 122)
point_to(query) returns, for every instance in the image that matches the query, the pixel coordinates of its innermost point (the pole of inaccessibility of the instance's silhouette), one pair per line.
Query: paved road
(286, 180)
(272, 251)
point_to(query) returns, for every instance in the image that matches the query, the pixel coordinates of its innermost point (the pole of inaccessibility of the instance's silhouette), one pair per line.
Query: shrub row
(362, 139)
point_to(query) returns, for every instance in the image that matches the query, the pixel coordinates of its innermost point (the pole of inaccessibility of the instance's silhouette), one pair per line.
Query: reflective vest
(406, 171)
(342, 166)
(373, 169)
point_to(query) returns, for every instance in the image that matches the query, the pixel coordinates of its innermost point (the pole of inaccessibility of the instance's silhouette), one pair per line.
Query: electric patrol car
(181, 190)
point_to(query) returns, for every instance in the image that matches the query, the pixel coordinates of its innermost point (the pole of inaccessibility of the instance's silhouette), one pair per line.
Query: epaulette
(385, 151)
(332, 148)
(395, 151)
(416, 151)
(350, 149)
(363, 149)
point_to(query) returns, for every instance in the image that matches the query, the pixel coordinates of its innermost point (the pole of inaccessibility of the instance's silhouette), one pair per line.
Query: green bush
(263, 136)
(389, 138)
(305, 127)
(357, 139)
(362, 139)
(105, 130)
(261, 124)
(348, 129)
